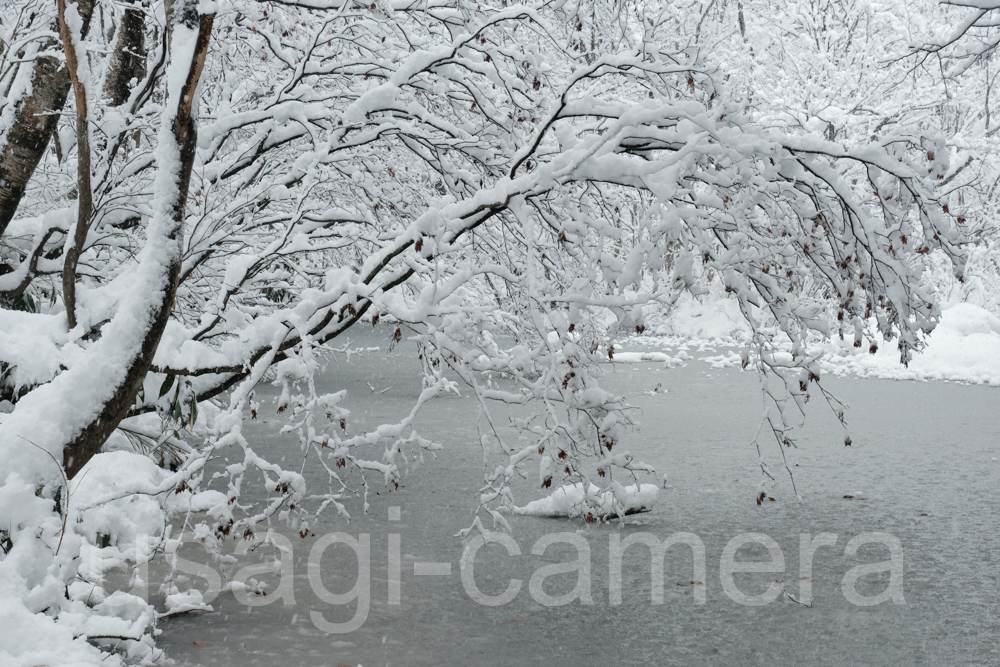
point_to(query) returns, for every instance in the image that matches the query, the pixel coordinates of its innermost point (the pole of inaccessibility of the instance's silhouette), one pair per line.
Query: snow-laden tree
(844, 69)
(196, 197)
(957, 51)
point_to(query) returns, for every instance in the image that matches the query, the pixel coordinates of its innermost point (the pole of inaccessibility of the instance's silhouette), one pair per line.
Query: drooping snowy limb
(304, 146)
(796, 158)
(74, 414)
(974, 37)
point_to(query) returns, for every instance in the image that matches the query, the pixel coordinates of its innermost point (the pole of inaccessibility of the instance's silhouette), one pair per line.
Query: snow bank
(570, 501)
(965, 347)
(52, 599)
(34, 609)
(715, 319)
(30, 639)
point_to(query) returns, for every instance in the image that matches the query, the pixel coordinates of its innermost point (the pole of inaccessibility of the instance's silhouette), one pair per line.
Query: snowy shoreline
(964, 348)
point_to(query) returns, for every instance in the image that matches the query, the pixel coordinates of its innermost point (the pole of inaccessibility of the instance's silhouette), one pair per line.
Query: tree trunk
(171, 191)
(128, 61)
(34, 121)
(72, 416)
(85, 196)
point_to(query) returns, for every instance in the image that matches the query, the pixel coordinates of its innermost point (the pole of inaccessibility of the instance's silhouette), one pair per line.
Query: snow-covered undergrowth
(53, 606)
(56, 607)
(571, 501)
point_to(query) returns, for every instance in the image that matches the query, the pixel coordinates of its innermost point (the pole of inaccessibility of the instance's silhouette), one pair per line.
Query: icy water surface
(923, 467)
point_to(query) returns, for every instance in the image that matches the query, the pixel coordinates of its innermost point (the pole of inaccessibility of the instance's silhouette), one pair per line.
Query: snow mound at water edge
(571, 501)
(965, 347)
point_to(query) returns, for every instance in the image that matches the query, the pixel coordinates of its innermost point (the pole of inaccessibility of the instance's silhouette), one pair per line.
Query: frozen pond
(923, 467)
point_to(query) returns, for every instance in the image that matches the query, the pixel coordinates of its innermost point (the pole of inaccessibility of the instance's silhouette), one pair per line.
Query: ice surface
(923, 467)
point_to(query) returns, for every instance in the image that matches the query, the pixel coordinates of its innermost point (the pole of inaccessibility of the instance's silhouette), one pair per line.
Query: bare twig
(795, 599)
(65, 488)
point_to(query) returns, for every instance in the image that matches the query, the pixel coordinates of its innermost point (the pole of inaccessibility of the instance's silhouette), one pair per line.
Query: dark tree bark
(35, 122)
(129, 58)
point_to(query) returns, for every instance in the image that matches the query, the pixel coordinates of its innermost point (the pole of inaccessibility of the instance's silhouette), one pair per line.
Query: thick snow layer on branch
(570, 501)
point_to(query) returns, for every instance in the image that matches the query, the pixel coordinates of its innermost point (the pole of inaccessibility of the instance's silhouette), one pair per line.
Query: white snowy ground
(965, 346)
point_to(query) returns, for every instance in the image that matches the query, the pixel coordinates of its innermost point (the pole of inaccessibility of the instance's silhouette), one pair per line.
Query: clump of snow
(705, 319)
(571, 501)
(116, 473)
(636, 357)
(180, 602)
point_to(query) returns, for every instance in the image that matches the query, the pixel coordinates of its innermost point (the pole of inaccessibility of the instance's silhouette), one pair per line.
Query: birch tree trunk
(128, 61)
(23, 146)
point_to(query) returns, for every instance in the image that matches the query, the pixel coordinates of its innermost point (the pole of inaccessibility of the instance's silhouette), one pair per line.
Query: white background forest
(200, 198)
